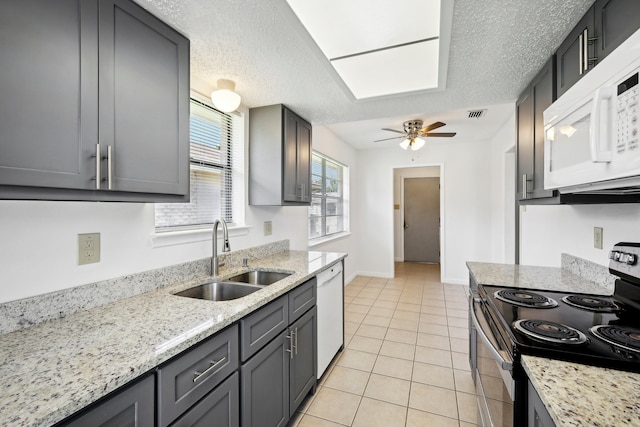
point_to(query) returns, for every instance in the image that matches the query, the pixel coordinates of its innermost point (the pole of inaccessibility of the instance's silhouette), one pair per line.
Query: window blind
(212, 159)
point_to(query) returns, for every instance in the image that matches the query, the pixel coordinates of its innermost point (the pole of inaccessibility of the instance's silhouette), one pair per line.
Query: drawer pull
(213, 366)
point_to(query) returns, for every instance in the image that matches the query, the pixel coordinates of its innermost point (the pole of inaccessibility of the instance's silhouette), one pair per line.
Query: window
(214, 170)
(327, 214)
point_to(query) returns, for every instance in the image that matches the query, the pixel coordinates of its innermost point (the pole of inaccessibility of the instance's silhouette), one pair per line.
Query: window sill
(322, 240)
(182, 237)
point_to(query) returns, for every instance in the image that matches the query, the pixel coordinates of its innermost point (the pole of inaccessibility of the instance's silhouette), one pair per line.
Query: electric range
(507, 322)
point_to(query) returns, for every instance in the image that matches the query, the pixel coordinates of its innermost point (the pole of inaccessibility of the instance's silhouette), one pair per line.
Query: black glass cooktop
(524, 327)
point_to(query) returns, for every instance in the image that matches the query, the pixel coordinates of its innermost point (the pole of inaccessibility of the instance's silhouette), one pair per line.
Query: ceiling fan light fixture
(417, 144)
(225, 98)
(405, 144)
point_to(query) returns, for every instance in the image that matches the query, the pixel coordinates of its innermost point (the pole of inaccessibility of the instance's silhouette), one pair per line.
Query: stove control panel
(623, 258)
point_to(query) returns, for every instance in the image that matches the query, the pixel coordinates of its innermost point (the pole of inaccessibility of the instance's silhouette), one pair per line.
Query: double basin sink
(234, 287)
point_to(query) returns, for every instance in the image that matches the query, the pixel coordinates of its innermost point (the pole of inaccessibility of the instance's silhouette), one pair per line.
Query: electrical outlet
(597, 237)
(88, 248)
(267, 228)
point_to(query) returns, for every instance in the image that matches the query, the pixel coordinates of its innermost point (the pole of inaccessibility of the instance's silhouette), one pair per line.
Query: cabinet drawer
(219, 408)
(302, 299)
(185, 380)
(257, 329)
(131, 406)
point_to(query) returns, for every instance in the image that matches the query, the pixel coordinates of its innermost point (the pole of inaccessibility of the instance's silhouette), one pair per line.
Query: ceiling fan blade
(393, 130)
(432, 126)
(441, 134)
(388, 139)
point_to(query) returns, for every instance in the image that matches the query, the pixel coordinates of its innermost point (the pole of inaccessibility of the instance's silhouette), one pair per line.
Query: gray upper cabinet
(49, 86)
(576, 56)
(616, 20)
(604, 27)
(530, 125)
(279, 157)
(96, 104)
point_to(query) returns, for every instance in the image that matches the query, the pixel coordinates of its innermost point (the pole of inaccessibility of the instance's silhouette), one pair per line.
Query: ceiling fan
(413, 133)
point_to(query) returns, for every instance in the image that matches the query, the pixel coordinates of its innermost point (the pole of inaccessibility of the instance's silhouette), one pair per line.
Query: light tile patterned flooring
(405, 361)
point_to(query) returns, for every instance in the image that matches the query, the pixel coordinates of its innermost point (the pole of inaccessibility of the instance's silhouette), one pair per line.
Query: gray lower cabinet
(279, 355)
(132, 406)
(537, 414)
(219, 408)
(303, 359)
(188, 378)
(264, 399)
(95, 102)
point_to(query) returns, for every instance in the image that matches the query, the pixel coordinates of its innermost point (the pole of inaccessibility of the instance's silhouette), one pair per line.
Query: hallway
(405, 361)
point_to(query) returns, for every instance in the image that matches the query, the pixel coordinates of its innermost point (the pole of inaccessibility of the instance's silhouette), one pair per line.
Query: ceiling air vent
(476, 114)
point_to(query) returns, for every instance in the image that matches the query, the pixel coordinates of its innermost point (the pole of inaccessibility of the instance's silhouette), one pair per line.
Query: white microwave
(592, 132)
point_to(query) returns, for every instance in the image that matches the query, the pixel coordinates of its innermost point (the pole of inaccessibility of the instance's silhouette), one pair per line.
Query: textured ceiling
(497, 46)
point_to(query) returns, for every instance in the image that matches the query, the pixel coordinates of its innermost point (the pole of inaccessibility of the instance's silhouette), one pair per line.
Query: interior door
(422, 220)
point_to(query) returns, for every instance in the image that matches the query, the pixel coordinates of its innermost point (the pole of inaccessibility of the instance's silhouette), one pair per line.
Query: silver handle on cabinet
(209, 369)
(98, 160)
(585, 49)
(581, 50)
(290, 349)
(109, 167)
(296, 338)
(525, 181)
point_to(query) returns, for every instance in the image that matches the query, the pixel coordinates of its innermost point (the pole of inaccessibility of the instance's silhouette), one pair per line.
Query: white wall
(466, 222)
(38, 238)
(502, 197)
(398, 199)
(548, 231)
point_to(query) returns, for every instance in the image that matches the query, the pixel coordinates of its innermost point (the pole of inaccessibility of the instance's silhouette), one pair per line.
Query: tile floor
(405, 361)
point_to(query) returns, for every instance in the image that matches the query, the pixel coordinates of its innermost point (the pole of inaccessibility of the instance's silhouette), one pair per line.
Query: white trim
(326, 239)
(376, 274)
(182, 237)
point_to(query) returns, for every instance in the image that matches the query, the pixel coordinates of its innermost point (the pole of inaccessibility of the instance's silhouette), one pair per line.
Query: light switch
(267, 228)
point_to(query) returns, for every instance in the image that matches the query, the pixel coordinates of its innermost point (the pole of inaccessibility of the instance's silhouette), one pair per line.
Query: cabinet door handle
(213, 366)
(524, 186)
(109, 166)
(581, 53)
(295, 334)
(585, 49)
(98, 160)
(290, 349)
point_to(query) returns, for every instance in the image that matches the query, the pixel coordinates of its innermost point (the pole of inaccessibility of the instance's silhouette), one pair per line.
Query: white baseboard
(451, 281)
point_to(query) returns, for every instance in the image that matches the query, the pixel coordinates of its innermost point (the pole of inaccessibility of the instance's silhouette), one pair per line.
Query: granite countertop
(532, 277)
(51, 370)
(582, 395)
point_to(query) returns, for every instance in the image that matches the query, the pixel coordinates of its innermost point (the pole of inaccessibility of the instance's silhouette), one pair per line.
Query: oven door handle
(491, 344)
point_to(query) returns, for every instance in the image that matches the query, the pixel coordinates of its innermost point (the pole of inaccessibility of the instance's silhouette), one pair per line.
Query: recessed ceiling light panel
(398, 70)
(342, 28)
(377, 47)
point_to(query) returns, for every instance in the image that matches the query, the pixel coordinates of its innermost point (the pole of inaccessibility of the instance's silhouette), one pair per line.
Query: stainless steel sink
(219, 291)
(261, 278)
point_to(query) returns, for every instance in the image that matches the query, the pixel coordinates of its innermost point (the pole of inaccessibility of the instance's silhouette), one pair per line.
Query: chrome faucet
(225, 245)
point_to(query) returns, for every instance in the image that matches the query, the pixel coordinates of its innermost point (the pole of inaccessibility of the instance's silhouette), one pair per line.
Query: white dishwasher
(330, 314)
